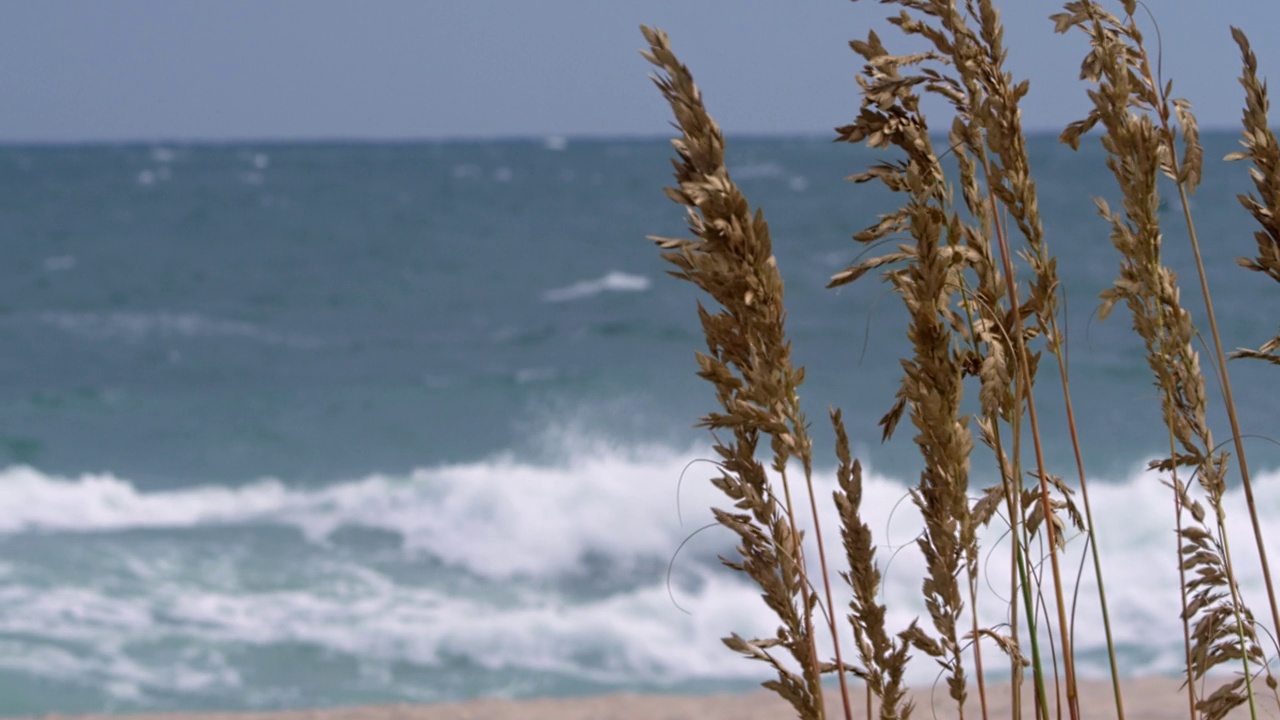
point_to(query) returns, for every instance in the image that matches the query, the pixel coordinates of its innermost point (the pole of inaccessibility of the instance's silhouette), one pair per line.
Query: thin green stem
(1042, 696)
(1025, 381)
(1022, 582)
(1092, 536)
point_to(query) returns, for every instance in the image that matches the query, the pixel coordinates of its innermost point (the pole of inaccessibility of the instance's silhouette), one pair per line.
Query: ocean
(316, 424)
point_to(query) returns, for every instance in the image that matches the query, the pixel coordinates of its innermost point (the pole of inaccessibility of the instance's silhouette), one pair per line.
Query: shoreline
(1145, 699)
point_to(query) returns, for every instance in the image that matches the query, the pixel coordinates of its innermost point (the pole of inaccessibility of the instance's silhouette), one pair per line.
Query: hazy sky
(257, 69)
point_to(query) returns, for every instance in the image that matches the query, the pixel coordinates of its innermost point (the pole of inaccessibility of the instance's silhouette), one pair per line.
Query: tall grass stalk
(749, 363)
(1263, 150)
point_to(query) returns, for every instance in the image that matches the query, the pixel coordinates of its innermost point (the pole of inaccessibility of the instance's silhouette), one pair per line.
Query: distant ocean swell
(556, 574)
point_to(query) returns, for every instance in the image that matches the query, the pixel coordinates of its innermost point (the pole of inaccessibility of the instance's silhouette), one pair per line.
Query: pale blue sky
(75, 70)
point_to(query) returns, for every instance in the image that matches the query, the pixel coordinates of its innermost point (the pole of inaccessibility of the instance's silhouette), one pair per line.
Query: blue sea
(299, 425)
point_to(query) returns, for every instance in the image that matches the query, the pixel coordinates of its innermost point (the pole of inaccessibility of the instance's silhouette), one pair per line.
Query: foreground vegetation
(980, 285)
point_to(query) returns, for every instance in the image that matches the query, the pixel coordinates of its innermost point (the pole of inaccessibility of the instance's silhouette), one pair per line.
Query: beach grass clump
(982, 295)
(1142, 144)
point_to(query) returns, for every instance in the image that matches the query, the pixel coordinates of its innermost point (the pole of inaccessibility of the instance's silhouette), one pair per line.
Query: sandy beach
(1146, 699)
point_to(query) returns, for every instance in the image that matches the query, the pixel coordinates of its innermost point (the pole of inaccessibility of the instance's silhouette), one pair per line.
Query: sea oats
(991, 321)
(1128, 102)
(883, 659)
(954, 264)
(1262, 149)
(749, 363)
(925, 272)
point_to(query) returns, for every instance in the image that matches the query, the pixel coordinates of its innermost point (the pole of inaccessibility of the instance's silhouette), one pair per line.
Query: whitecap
(611, 282)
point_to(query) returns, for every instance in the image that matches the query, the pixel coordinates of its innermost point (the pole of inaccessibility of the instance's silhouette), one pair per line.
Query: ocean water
(289, 425)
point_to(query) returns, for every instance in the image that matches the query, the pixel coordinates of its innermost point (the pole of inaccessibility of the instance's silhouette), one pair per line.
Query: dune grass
(979, 282)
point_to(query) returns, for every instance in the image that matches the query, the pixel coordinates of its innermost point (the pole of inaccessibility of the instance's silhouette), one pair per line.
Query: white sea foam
(496, 518)
(83, 636)
(91, 636)
(522, 525)
(613, 281)
(516, 524)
